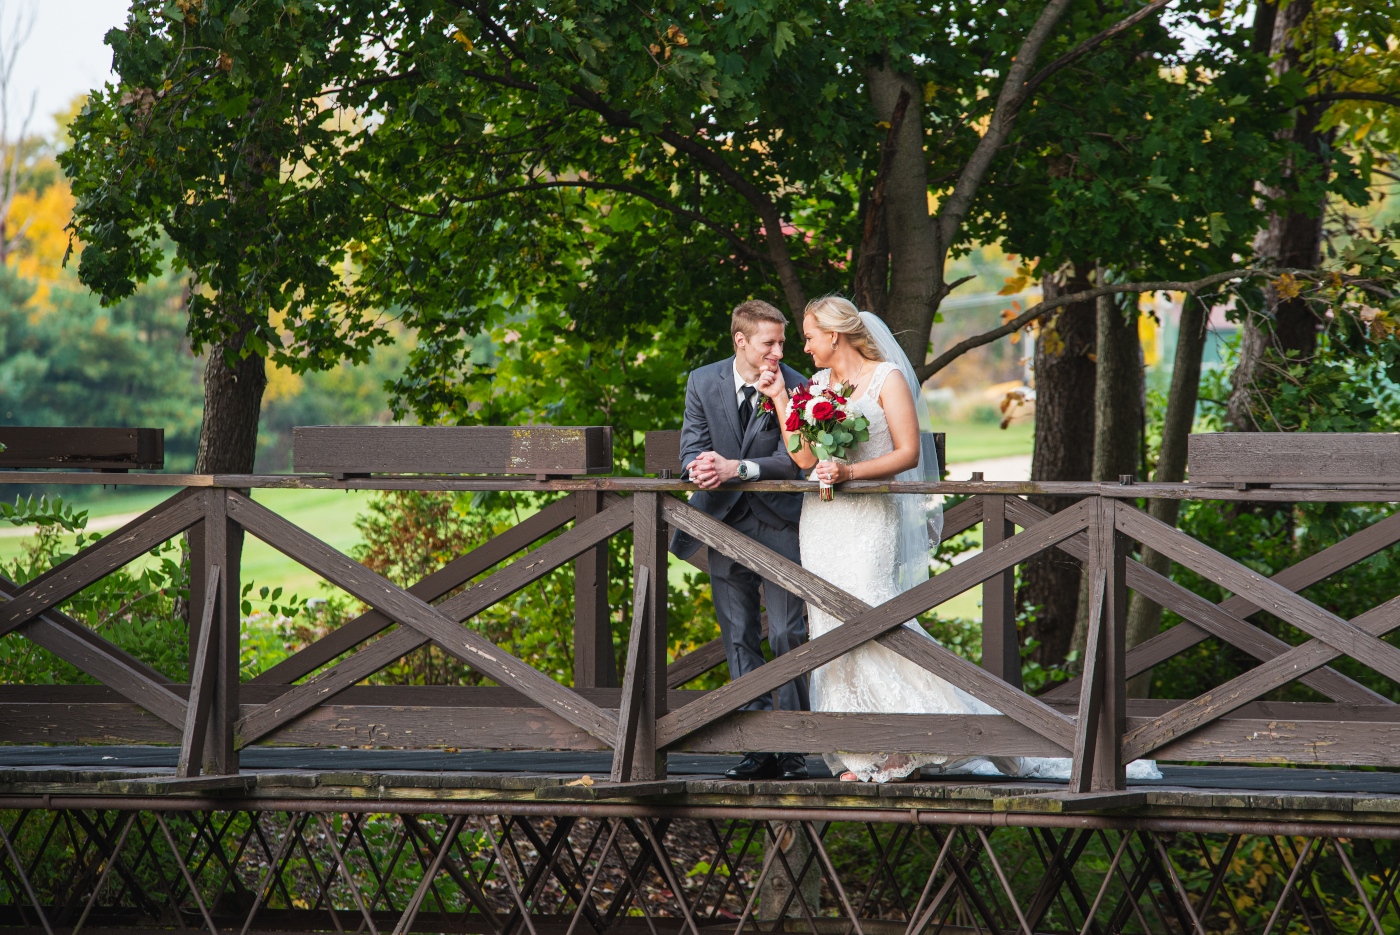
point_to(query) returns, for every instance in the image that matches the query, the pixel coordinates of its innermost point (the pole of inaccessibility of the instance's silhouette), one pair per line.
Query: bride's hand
(832, 472)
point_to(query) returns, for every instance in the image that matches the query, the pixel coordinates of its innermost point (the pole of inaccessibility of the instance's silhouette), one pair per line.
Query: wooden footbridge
(307, 800)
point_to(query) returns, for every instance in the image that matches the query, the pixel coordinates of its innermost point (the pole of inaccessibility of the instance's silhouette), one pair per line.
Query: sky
(64, 56)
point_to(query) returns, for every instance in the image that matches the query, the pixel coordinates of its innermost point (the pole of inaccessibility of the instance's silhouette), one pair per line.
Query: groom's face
(763, 349)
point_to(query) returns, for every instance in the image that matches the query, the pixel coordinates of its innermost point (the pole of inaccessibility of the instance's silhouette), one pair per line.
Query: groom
(727, 439)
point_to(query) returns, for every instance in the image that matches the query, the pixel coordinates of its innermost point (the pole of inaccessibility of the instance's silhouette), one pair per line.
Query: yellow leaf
(1288, 287)
(581, 781)
(464, 40)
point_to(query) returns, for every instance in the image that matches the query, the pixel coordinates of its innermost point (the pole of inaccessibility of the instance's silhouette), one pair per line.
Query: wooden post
(203, 678)
(1103, 699)
(595, 662)
(634, 682)
(223, 546)
(1001, 648)
(649, 551)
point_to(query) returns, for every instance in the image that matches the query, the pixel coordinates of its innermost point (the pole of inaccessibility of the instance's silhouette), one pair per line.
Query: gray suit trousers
(736, 596)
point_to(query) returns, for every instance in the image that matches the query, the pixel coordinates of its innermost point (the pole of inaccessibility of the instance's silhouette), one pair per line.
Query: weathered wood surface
(203, 676)
(634, 683)
(1294, 458)
(595, 660)
(79, 646)
(418, 616)
(1248, 686)
(1277, 493)
(343, 450)
(862, 623)
(1226, 620)
(1269, 595)
(69, 447)
(663, 452)
(1232, 739)
(130, 542)
(450, 576)
(1001, 648)
(950, 734)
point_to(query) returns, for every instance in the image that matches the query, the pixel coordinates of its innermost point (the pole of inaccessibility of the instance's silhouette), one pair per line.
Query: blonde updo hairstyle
(834, 313)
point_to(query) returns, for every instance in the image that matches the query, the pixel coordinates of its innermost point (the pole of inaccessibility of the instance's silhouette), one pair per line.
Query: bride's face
(821, 345)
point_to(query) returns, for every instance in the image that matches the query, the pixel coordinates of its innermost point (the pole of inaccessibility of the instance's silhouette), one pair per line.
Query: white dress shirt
(739, 384)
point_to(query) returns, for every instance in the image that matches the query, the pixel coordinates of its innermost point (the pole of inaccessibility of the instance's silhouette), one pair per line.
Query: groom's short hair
(748, 314)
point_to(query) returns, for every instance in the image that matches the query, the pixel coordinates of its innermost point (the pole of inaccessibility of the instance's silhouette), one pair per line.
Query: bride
(875, 546)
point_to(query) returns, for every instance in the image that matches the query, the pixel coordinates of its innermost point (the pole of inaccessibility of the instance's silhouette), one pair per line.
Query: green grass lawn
(327, 514)
(977, 441)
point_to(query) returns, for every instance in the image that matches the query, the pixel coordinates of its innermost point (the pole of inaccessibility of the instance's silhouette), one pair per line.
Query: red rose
(794, 421)
(823, 410)
(840, 416)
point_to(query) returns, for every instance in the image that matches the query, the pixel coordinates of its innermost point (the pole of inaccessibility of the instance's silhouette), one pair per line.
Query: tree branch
(1092, 43)
(675, 209)
(1014, 93)
(761, 203)
(1331, 96)
(1040, 309)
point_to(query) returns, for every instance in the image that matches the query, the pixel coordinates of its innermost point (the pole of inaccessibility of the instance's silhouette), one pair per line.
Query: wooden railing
(316, 697)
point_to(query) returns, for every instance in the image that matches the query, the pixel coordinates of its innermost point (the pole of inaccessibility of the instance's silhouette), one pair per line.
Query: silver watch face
(743, 471)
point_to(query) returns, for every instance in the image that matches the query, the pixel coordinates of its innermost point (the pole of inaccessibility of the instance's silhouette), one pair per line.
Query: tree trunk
(1292, 240)
(913, 250)
(1064, 447)
(1119, 400)
(1144, 615)
(1118, 391)
(228, 438)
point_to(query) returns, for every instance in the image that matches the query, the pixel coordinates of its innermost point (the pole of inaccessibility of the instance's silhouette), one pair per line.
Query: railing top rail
(1342, 493)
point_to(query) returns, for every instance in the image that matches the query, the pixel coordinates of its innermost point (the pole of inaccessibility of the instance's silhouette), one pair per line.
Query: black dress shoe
(755, 766)
(792, 766)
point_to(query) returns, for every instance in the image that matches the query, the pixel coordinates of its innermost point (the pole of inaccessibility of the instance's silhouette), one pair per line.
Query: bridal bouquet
(821, 420)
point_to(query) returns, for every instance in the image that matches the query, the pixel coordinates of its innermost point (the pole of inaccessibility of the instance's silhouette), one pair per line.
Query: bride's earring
(833, 344)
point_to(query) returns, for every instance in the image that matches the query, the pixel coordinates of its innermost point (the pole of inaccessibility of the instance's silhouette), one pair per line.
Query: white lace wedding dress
(851, 541)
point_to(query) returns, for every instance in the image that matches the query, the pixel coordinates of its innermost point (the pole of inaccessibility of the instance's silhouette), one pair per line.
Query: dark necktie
(746, 409)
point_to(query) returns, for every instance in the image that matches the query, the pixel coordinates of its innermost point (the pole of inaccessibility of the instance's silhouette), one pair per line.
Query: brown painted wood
(1294, 457)
(223, 546)
(1001, 649)
(649, 551)
(1009, 700)
(634, 684)
(81, 633)
(821, 732)
(69, 447)
(1204, 619)
(177, 784)
(663, 453)
(1267, 739)
(342, 450)
(1267, 594)
(1278, 493)
(326, 685)
(76, 644)
(595, 662)
(203, 677)
(440, 624)
(861, 622)
(702, 659)
(105, 556)
(1098, 762)
(964, 516)
(453, 575)
(1248, 686)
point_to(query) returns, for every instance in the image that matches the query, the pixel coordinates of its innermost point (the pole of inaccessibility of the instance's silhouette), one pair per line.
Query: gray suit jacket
(712, 424)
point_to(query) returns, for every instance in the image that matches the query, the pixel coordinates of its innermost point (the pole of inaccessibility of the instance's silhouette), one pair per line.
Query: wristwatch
(743, 470)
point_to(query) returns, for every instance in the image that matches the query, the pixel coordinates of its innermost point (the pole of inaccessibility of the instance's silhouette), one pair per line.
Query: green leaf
(794, 443)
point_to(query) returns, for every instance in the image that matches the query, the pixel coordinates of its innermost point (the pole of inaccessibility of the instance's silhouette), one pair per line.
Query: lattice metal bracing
(130, 871)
